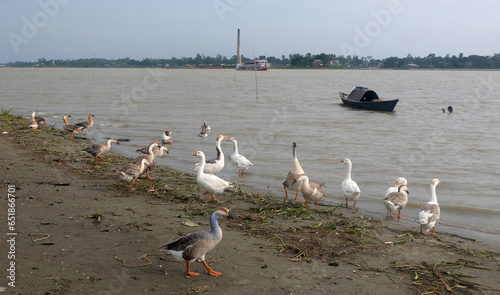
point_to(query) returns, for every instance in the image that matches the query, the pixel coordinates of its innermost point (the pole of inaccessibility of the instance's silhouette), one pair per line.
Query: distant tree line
(295, 60)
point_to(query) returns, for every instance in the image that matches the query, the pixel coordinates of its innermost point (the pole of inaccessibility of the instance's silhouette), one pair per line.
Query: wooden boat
(364, 98)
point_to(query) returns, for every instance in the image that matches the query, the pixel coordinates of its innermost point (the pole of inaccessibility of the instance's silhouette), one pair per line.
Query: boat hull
(380, 105)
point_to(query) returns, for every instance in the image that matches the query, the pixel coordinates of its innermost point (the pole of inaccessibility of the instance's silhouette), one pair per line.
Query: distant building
(317, 63)
(412, 66)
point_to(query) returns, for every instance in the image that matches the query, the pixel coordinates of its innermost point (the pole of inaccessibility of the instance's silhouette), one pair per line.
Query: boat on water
(364, 98)
(253, 65)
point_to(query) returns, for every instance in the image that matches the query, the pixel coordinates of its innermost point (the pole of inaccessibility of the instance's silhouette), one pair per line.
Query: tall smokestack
(238, 50)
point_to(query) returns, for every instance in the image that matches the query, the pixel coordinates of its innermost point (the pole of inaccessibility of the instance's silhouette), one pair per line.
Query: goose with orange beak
(212, 166)
(349, 187)
(211, 183)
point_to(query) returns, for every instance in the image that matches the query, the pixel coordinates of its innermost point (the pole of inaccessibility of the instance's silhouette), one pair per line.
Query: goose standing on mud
(211, 183)
(396, 201)
(311, 191)
(72, 129)
(96, 149)
(33, 125)
(399, 181)
(157, 151)
(216, 164)
(40, 121)
(150, 156)
(131, 171)
(349, 187)
(240, 161)
(166, 137)
(430, 213)
(86, 125)
(195, 246)
(290, 182)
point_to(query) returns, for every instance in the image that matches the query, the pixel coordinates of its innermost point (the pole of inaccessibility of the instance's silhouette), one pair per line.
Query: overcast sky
(71, 29)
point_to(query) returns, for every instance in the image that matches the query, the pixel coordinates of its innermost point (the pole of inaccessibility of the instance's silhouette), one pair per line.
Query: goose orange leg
(149, 177)
(132, 188)
(211, 271)
(188, 271)
(286, 193)
(399, 215)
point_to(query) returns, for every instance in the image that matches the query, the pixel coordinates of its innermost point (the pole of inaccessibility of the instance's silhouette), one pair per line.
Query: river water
(267, 111)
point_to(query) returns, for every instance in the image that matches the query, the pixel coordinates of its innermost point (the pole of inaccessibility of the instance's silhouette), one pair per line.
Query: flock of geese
(194, 246)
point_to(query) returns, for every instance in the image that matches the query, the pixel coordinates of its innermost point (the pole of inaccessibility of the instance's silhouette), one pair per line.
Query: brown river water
(267, 111)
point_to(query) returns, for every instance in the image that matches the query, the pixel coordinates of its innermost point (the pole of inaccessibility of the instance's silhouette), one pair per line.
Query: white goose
(350, 187)
(216, 164)
(396, 201)
(211, 183)
(311, 191)
(430, 213)
(290, 182)
(399, 181)
(240, 161)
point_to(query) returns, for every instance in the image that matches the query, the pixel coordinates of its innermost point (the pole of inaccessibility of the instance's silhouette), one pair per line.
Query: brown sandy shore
(81, 231)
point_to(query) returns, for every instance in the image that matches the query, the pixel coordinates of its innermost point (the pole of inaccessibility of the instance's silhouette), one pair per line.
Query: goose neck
(348, 173)
(235, 147)
(150, 149)
(214, 223)
(433, 194)
(202, 165)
